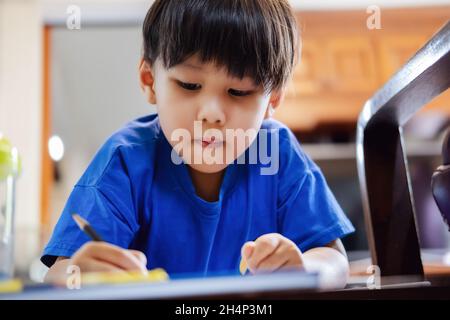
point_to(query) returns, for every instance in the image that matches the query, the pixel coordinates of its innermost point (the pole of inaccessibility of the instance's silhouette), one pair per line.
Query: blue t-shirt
(136, 197)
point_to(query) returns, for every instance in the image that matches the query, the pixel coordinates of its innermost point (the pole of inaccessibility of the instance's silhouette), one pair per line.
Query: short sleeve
(105, 202)
(308, 212)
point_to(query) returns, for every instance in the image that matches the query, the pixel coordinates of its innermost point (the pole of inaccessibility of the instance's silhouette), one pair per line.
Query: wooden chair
(381, 160)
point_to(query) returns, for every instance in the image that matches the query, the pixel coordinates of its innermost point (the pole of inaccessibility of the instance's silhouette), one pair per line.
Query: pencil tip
(79, 220)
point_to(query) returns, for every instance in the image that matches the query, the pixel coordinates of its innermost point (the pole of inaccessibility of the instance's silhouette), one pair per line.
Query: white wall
(95, 91)
(20, 112)
(133, 11)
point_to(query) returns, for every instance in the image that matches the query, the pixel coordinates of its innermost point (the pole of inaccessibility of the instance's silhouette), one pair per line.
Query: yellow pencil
(243, 266)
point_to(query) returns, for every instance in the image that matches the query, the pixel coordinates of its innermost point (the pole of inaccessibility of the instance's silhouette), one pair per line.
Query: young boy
(216, 70)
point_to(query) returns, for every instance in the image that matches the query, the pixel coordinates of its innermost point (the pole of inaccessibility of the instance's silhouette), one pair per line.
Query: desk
(210, 287)
(433, 264)
(286, 285)
(273, 286)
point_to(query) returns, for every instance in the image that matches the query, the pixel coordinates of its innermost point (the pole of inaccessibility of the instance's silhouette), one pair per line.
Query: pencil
(243, 266)
(86, 227)
(154, 275)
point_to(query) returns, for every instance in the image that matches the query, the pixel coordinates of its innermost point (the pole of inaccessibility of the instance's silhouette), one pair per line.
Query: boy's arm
(56, 273)
(330, 261)
(339, 246)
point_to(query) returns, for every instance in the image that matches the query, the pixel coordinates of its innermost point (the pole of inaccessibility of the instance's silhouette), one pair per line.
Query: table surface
(277, 286)
(286, 285)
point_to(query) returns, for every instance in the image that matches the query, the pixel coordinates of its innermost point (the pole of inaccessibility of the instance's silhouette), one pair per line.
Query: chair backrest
(440, 181)
(381, 160)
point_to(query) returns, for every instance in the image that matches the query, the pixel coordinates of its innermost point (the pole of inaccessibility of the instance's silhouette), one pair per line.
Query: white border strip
(133, 11)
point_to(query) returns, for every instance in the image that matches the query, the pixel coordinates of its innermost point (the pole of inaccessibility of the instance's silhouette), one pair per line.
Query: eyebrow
(191, 66)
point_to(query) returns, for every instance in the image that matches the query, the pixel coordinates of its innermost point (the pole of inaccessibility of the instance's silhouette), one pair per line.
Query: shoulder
(138, 132)
(127, 149)
(273, 124)
(289, 148)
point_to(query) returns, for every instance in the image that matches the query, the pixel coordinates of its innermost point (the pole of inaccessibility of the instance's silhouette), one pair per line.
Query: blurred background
(68, 80)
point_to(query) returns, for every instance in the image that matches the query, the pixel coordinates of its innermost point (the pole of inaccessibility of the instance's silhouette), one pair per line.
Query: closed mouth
(210, 143)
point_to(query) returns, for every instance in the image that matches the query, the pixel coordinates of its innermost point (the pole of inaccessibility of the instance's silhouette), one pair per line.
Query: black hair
(255, 38)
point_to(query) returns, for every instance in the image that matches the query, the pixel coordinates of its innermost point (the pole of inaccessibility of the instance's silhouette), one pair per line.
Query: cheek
(167, 96)
(249, 116)
(250, 122)
(174, 110)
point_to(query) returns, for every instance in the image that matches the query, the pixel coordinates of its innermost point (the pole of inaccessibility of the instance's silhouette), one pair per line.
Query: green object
(9, 159)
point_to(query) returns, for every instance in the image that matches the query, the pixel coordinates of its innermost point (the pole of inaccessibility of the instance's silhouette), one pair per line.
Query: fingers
(273, 262)
(271, 252)
(287, 256)
(264, 246)
(246, 252)
(117, 256)
(140, 255)
(247, 249)
(89, 256)
(100, 266)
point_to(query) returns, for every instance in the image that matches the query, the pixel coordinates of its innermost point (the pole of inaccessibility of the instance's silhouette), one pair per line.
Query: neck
(207, 185)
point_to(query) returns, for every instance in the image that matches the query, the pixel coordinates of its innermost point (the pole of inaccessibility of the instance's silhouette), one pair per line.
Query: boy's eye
(189, 86)
(239, 93)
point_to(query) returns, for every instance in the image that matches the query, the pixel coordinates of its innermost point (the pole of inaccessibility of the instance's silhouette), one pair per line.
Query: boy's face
(204, 105)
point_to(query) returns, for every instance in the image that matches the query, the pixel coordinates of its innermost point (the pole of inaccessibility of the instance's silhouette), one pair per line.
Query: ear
(147, 81)
(276, 97)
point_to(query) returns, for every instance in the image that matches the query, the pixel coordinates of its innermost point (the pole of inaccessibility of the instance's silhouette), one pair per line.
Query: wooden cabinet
(394, 50)
(343, 63)
(334, 65)
(352, 64)
(309, 75)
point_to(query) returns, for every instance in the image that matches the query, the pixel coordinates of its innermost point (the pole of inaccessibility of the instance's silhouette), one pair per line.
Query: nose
(212, 113)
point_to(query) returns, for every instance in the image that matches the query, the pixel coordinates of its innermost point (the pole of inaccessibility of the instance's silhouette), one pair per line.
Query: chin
(208, 168)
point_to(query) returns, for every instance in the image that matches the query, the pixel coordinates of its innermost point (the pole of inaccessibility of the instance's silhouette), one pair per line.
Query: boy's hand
(105, 257)
(271, 252)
